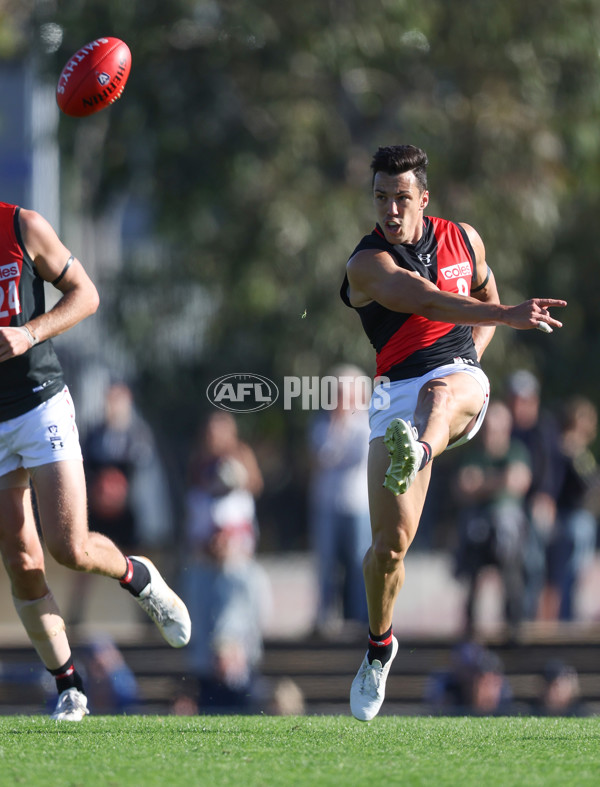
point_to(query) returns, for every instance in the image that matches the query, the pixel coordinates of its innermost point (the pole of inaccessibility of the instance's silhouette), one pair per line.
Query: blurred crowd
(475, 684)
(527, 502)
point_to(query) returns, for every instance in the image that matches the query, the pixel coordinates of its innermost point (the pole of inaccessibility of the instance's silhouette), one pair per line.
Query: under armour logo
(425, 259)
(56, 440)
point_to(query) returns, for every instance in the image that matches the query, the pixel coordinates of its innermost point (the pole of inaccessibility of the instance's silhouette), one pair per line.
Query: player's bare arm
(483, 288)
(50, 256)
(374, 276)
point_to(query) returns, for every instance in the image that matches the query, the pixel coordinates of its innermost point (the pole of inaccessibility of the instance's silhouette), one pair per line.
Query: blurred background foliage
(237, 163)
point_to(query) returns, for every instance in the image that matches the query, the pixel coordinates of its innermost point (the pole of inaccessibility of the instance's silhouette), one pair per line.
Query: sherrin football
(94, 77)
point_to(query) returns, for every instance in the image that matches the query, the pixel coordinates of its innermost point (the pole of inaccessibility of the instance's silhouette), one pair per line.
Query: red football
(94, 77)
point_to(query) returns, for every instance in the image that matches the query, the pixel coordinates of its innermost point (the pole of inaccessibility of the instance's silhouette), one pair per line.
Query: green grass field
(140, 751)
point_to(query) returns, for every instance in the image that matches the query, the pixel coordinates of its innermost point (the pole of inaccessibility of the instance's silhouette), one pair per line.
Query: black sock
(380, 647)
(427, 455)
(136, 577)
(67, 677)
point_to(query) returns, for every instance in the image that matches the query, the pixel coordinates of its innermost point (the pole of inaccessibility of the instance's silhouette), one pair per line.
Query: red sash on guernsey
(454, 272)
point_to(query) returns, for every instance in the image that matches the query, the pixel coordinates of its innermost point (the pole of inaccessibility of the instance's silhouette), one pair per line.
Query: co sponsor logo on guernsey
(456, 271)
(10, 271)
(242, 393)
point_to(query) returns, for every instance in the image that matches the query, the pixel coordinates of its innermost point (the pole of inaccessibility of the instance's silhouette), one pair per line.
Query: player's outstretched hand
(534, 314)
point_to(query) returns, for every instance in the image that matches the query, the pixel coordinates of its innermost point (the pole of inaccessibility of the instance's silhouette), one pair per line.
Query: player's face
(399, 205)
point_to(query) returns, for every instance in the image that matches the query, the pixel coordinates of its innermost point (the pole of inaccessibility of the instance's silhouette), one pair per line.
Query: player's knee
(387, 560)
(389, 552)
(23, 568)
(69, 554)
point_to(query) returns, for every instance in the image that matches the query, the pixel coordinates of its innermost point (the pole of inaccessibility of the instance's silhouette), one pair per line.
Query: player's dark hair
(396, 159)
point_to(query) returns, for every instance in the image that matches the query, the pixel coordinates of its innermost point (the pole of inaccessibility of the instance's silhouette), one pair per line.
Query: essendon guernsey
(408, 345)
(32, 378)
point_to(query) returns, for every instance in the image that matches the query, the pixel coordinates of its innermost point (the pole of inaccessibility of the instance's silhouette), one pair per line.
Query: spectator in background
(223, 482)
(227, 591)
(573, 541)
(127, 487)
(339, 506)
(538, 431)
(128, 498)
(561, 691)
(492, 486)
(475, 685)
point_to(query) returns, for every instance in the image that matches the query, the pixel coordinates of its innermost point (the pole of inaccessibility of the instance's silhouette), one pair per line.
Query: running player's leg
(47, 442)
(23, 559)
(20, 546)
(62, 504)
(61, 496)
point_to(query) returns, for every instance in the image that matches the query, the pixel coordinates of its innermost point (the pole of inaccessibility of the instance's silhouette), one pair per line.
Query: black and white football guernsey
(32, 378)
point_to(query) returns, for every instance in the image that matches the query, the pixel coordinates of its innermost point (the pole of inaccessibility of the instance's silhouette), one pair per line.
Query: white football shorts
(46, 434)
(399, 399)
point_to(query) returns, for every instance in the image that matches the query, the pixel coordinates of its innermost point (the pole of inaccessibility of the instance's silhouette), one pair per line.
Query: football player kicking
(429, 304)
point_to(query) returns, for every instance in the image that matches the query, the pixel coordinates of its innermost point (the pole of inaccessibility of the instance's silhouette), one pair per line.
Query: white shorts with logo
(46, 434)
(399, 399)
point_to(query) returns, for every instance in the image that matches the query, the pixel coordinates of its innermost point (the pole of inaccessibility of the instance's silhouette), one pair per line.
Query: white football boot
(165, 607)
(368, 687)
(406, 455)
(71, 706)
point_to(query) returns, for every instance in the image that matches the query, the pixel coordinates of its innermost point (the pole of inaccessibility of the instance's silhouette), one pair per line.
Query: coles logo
(10, 271)
(456, 271)
(242, 393)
